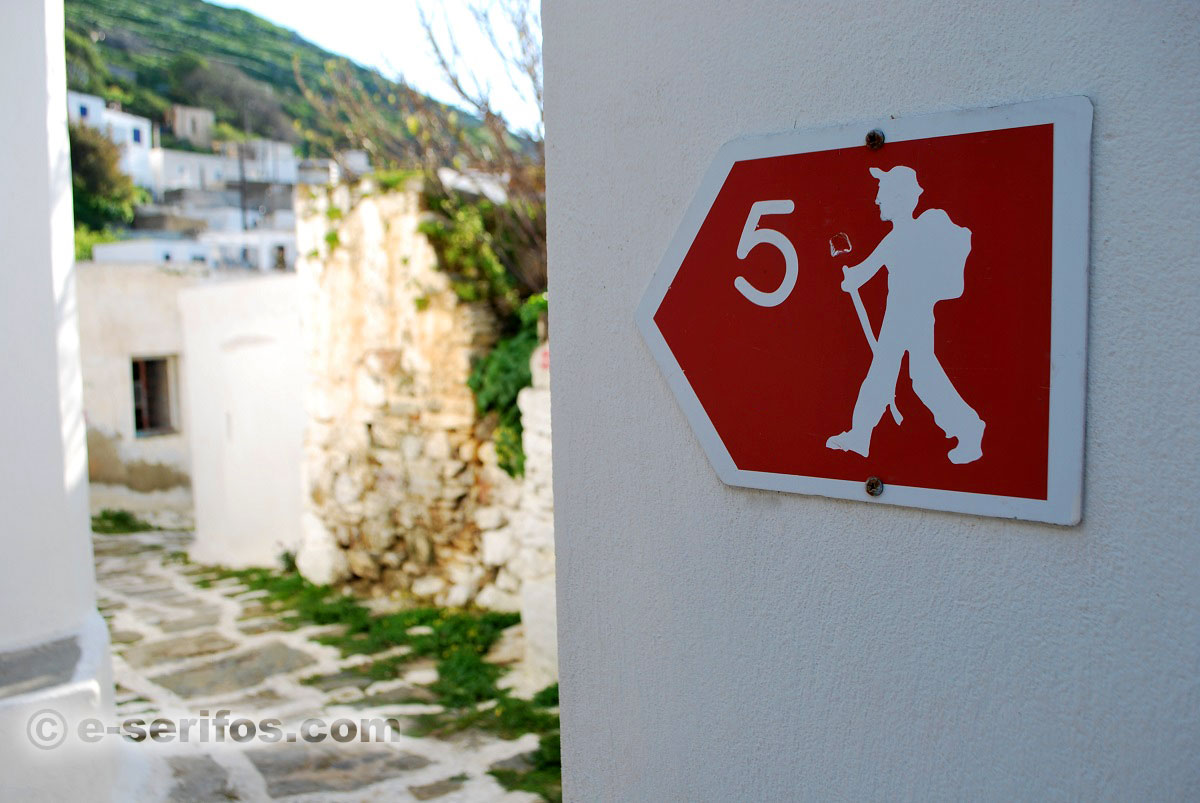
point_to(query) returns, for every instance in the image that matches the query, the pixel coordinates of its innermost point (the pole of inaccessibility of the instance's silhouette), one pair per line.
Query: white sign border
(1072, 120)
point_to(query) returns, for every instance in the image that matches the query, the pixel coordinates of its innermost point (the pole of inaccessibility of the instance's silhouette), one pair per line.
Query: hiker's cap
(900, 177)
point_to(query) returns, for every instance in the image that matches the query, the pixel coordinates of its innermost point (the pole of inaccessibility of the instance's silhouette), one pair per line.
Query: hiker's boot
(970, 445)
(851, 442)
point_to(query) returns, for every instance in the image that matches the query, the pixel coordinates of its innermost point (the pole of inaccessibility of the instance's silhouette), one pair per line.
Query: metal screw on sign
(875, 139)
(874, 486)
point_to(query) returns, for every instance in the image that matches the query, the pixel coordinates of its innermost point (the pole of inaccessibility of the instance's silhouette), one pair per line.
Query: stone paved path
(180, 650)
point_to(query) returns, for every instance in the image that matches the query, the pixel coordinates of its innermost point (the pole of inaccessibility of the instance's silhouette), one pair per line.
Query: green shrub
(287, 561)
(469, 247)
(115, 522)
(86, 238)
(390, 180)
(501, 375)
(102, 194)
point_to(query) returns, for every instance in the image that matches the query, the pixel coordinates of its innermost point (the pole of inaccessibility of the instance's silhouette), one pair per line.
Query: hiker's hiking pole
(870, 339)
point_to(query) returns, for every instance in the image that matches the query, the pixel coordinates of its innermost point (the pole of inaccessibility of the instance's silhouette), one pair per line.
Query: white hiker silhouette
(925, 258)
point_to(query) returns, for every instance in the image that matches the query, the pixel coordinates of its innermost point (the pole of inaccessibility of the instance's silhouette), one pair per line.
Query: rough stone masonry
(403, 490)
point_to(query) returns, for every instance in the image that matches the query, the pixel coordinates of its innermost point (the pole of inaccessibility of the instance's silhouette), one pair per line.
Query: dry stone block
(498, 547)
(304, 769)
(319, 558)
(490, 518)
(175, 649)
(347, 489)
(437, 446)
(235, 672)
(494, 599)
(428, 586)
(378, 534)
(362, 564)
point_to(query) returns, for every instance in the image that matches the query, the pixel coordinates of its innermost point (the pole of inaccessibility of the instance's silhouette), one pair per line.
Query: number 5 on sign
(753, 236)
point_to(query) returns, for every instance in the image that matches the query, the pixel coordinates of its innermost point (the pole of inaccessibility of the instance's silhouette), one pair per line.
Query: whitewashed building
(264, 160)
(133, 382)
(155, 251)
(164, 169)
(177, 170)
(132, 133)
(355, 161)
(259, 249)
(319, 172)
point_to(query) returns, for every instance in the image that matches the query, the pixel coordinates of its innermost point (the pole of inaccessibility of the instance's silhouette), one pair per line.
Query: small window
(137, 135)
(83, 111)
(152, 402)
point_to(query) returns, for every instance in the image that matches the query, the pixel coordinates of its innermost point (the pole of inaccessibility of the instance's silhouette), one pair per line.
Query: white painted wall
(187, 170)
(46, 579)
(129, 131)
(244, 378)
(256, 246)
(155, 251)
(129, 311)
(265, 160)
(87, 108)
(46, 571)
(318, 172)
(727, 644)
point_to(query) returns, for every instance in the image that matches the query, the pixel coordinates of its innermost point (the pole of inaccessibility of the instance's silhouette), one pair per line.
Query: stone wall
(522, 547)
(403, 492)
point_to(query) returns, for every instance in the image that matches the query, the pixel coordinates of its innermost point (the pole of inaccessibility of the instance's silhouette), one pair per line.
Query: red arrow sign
(818, 287)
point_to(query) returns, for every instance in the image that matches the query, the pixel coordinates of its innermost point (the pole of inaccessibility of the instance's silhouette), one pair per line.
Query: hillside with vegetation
(147, 54)
(264, 80)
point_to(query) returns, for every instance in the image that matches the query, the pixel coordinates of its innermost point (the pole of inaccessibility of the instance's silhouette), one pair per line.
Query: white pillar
(46, 569)
(53, 643)
(718, 643)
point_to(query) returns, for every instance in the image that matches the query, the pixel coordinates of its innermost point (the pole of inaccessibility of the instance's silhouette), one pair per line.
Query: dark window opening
(83, 111)
(152, 397)
(137, 135)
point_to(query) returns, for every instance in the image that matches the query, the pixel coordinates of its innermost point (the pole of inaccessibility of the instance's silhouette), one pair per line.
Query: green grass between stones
(456, 639)
(544, 777)
(118, 522)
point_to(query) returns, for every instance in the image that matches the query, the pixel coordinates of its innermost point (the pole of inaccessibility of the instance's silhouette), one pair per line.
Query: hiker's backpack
(945, 246)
